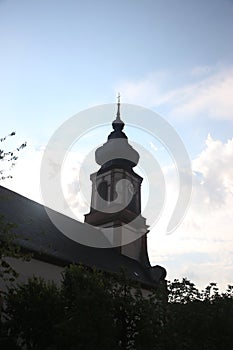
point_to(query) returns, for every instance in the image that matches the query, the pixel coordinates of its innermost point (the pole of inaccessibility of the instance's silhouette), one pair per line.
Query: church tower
(116, 195)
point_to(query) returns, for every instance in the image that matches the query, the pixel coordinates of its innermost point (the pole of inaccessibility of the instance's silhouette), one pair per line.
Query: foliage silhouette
(8, 245)
(9, 158)
(94, 310)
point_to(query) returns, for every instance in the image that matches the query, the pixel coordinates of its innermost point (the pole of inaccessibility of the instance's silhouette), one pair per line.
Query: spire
(118, 124)
(118, 107)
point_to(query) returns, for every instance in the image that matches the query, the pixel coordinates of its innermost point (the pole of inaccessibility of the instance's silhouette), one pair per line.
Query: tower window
(103, 190)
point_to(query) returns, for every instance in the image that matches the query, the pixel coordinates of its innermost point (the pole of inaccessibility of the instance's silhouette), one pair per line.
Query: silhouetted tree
(32, 309)
(199, 320)
(8, 246)
(94, 310)
(87, 304)
(8, 158)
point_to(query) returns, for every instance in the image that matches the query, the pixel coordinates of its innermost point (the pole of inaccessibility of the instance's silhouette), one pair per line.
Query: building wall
(49, 272)
(34, 267)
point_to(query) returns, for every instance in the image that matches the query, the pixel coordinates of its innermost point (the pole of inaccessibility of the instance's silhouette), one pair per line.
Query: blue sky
(174, 57)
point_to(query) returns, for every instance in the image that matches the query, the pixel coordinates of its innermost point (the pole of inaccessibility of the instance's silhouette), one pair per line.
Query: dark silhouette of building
(115, 216)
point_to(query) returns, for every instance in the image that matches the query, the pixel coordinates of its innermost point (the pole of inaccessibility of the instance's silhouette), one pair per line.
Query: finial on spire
(118, 106)
(119, 97)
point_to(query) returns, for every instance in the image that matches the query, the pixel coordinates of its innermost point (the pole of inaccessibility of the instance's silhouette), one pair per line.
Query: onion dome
(117, 152)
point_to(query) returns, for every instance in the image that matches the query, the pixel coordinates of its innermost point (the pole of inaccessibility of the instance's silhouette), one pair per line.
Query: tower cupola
(117, 152)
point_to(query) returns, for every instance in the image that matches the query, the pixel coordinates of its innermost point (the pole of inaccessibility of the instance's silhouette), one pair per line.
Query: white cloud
(206, 231)
(148, 91)
(206, 92)
(76, 171)
(209, 97)
(213, 191)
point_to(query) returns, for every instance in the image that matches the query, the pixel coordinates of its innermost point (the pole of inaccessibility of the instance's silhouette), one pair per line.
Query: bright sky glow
(174, 57)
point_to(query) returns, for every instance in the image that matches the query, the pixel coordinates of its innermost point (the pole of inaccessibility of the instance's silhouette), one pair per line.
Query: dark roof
(39, 235)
